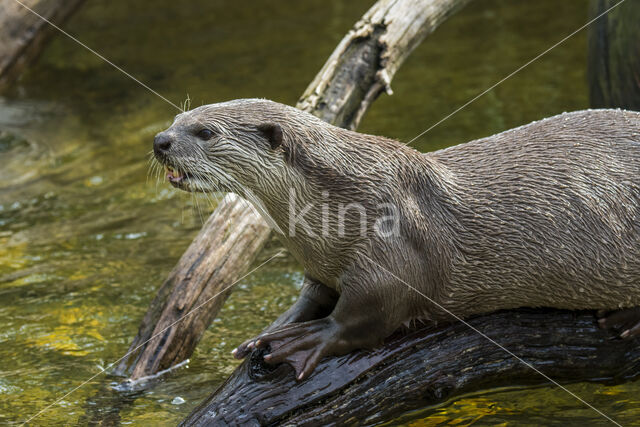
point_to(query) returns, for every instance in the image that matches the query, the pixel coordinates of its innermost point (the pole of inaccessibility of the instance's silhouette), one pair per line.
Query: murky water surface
(86, 237)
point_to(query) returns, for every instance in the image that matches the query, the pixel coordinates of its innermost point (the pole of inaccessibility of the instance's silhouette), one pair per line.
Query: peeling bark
(366, 60)
(362, 66)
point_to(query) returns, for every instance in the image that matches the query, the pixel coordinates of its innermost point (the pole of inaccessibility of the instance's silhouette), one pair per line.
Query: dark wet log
(23, 34)
(614, 55)
(423, 368)
(361, 67)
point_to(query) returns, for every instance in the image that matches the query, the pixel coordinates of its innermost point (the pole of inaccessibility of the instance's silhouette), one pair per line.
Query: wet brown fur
(547, 214)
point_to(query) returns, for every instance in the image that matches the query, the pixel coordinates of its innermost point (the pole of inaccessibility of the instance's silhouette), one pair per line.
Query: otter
(543, 215)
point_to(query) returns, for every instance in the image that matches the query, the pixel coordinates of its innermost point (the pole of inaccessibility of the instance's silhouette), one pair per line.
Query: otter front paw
(244, 349)
(302, 345)
(627, 321)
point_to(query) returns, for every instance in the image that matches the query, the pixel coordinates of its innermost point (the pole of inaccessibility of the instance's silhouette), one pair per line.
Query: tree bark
(366, 60)
(199, 284)
(423, 368)
(23, 35)
(614, 55)
(360, 68)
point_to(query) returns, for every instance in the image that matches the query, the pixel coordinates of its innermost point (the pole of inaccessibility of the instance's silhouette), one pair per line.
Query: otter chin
(544, 215)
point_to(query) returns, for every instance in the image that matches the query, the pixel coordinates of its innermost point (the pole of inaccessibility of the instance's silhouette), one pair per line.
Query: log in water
(425, 367)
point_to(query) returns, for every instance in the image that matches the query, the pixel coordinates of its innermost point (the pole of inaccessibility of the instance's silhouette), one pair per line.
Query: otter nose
(161, 143)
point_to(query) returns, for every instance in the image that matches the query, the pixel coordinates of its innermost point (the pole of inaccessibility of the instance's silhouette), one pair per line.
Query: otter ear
(273, 133)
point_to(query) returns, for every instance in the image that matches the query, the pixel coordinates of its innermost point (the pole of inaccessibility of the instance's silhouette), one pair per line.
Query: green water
(86, 238)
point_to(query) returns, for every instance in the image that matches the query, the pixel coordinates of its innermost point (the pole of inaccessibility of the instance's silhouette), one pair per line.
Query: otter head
(232, 146)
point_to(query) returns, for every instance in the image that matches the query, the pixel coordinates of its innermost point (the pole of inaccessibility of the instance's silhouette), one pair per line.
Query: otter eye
(205, 134)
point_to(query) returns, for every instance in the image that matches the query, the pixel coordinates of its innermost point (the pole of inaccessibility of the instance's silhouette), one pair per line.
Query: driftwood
(614, 55)
(215, 259)
(361, 68)
(423, 368)
(23, 34)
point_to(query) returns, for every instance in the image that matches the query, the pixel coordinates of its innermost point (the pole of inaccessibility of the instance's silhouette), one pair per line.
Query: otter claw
(632, 332)
(301, 345)
(243, 349)
(627, 320)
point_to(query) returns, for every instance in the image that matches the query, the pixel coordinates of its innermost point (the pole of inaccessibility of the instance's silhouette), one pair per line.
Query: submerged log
(23, 34)
(422, 368)
(614, 55)
(361, 68)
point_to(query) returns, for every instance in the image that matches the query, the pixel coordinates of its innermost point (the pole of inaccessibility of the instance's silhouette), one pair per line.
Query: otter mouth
(181, 179)
(176, 177)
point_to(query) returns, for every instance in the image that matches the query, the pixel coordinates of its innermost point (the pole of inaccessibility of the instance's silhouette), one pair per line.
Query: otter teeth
(173, 175)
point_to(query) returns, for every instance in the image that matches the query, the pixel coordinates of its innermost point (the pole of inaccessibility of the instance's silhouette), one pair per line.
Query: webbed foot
(302, 345)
